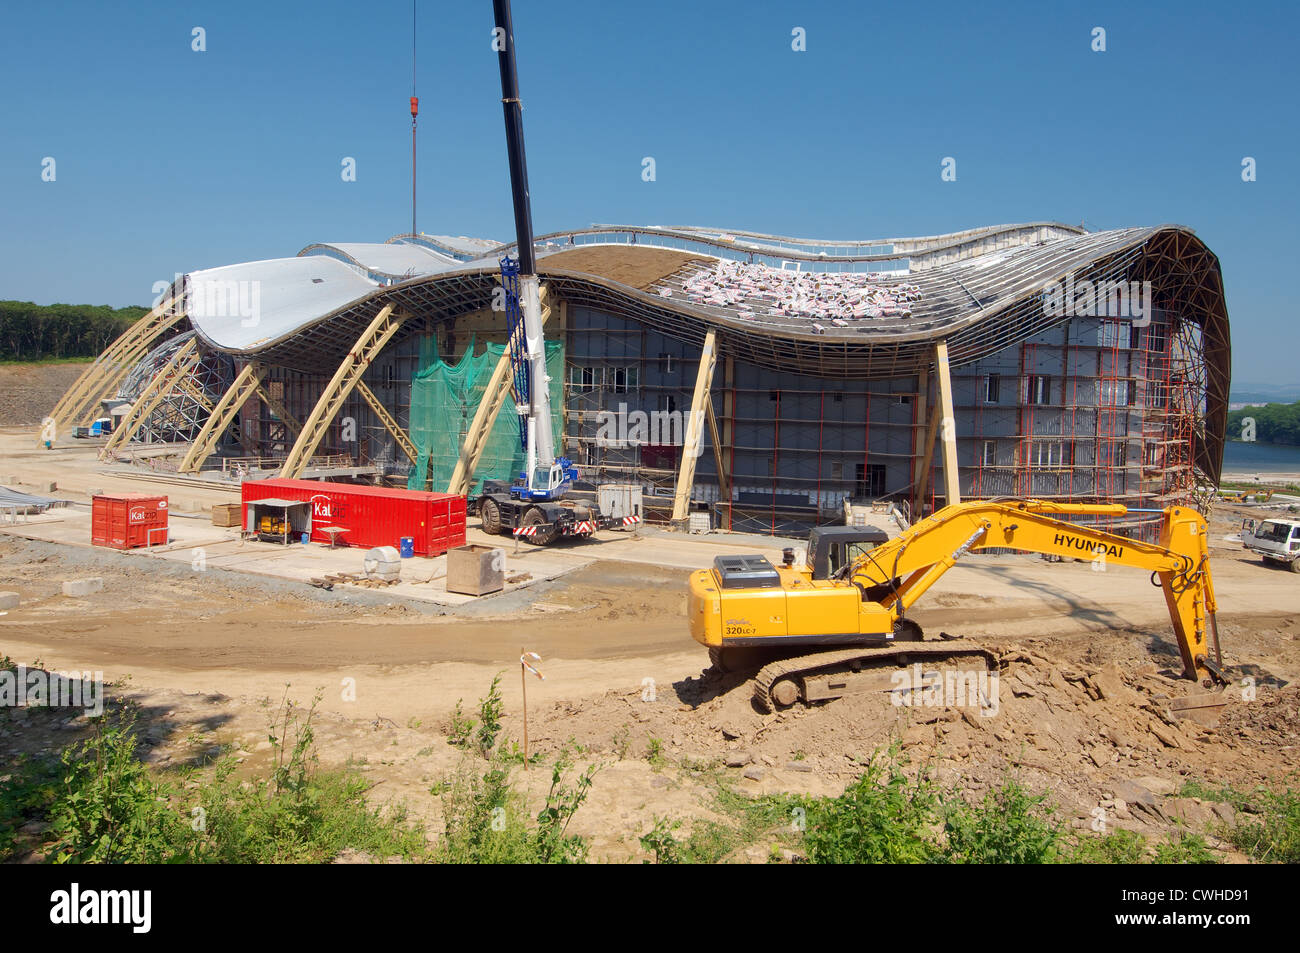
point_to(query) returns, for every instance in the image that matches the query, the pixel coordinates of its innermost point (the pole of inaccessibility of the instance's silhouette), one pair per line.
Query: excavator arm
(899, 572)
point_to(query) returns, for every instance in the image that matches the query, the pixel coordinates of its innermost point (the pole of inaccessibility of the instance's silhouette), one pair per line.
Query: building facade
(883, 364)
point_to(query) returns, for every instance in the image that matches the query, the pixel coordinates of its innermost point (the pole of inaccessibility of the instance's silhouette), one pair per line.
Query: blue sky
(170, 160)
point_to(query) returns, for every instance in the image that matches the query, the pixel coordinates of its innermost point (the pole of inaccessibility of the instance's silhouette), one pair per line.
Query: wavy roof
(980, 291)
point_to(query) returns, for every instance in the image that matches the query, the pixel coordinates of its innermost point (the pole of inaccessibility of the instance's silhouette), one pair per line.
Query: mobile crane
(815, 632)
(538, 506)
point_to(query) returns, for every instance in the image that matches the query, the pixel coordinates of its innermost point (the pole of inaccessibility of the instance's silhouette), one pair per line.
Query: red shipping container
(128, 521)
(372, 515)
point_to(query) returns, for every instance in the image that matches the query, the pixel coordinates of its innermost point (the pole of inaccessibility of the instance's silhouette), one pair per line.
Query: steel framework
(166, 382)
(79, 405)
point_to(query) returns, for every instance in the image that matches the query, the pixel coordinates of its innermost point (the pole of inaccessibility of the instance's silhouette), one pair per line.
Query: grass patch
(1010, 826)
(1267, 826)
(881, 818)
(101, 804)
(486, 821)
(38, 362)
(482, 733)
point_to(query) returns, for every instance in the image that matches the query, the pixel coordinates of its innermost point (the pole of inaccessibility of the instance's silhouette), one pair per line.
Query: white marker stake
(524, 669)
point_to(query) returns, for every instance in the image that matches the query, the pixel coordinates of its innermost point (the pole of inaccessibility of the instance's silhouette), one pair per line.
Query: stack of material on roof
(839, 298)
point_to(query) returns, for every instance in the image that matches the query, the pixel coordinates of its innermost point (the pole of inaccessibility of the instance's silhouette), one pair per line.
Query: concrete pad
(9, 600)
(83, 587)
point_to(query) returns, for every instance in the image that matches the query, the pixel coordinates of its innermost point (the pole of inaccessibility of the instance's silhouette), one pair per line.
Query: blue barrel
(306, 538)
(408, 547)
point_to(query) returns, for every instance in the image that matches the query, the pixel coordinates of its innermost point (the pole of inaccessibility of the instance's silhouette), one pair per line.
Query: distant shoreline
(1264, 443)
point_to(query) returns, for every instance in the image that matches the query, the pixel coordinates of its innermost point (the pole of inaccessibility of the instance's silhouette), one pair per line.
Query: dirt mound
(1088, 729)
(28, 392)
(1273, 722)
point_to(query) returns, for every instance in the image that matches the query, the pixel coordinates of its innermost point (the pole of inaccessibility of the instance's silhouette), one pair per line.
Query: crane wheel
(542, 537)
(489, 515)
(1295, 565)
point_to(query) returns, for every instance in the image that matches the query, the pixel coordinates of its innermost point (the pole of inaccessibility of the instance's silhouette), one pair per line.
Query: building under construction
(760, 379)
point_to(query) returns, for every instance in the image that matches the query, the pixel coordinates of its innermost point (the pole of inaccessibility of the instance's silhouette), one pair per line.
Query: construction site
(766, 512)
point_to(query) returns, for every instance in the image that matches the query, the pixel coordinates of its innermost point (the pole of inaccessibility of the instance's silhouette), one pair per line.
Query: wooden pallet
(330, 580)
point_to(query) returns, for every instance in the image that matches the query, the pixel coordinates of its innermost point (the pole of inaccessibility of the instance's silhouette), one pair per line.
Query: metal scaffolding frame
(182, 362)
(485, 417)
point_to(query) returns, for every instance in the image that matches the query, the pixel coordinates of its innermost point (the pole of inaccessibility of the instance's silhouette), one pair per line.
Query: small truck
(1275, 540)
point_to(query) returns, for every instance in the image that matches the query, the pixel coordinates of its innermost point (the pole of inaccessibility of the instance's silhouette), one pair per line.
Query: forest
(1273, 423)
(35, 332)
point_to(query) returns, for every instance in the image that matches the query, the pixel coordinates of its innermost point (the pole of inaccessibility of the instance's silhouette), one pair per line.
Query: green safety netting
(444, 398)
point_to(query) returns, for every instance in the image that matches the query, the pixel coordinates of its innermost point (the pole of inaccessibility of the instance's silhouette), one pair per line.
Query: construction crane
(535, 506)
(815, 632)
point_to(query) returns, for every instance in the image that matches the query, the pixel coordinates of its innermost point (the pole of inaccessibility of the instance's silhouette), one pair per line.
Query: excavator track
(783, 683)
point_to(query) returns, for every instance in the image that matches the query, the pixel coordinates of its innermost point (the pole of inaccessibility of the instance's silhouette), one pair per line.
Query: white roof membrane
(239, 307)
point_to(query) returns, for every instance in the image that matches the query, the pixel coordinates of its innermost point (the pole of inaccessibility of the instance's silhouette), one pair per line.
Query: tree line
(1273, 423)
(32, 332)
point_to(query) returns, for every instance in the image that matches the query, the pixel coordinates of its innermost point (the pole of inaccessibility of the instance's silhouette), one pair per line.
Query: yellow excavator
(817, 631)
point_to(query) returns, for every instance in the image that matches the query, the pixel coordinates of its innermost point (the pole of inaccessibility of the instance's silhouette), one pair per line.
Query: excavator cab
(832, 550)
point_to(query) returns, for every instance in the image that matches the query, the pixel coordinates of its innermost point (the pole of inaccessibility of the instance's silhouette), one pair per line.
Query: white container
(701, 523)
(618, 500)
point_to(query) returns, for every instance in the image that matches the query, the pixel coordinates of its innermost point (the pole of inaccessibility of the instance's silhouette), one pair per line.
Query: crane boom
(530, 358)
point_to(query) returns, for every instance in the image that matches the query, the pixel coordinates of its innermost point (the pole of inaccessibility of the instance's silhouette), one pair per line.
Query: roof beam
(691, 446)
(385, 418)
(367, 347)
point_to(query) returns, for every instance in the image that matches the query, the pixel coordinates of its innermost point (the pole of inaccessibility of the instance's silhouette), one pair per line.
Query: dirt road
(202, 652)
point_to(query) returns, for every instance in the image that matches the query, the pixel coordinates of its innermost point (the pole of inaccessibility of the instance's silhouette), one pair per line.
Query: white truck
(1276, 540)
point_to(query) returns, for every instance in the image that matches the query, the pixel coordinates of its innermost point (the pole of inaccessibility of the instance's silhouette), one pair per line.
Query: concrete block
(95, 491)
(51, 487)
(9, 600)
(83, 587)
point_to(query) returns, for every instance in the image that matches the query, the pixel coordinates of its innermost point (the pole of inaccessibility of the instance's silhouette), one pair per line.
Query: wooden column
(692, 445)
(947, 426)
(358, 360)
